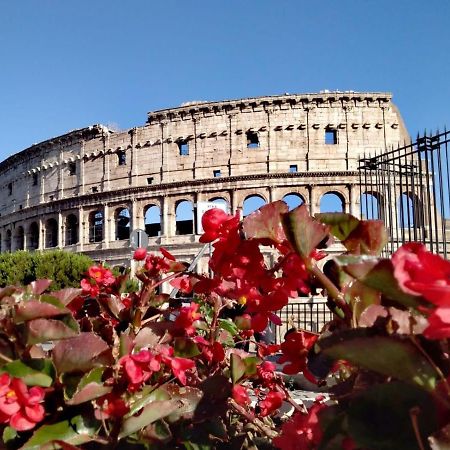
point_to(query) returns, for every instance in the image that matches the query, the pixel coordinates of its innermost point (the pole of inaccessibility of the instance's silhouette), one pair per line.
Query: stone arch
(293, 200)
(184, 217)
(122, 220)
(371, 205)
(152, 220)
(221, 201)
(71, 229)
(332, 201)
(51, 233)
(252, 203)
(20, 238)
(8, 241)
(33, 233)
(410, 211)
(96, 226)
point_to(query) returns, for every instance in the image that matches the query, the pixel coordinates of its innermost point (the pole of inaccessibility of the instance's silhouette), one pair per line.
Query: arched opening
(8, 241)
(184, 214)
(371, 206)
(293, 200)
(410, 211)
(51, 233)
(252, 203)
(152, 221)
(34, 236)
(122, 224)
(20, 239)
(332, 202)
(71, 229)
(96, 226)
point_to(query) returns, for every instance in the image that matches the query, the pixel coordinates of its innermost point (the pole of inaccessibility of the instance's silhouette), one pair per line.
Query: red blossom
(140, 254)
(420, 272)
(186, 318)
(240, 395)
(295, 349)
(155, 265)
(138, 368)
(271, 403)
(20, 406)
(101, 275)
(183, 283)
(438, 324)
(266, 373)
(179, 368)
(111, 406)
(217, 223)
(302, 431)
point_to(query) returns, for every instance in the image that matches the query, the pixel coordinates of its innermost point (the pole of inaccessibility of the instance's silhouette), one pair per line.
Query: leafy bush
(143, 371)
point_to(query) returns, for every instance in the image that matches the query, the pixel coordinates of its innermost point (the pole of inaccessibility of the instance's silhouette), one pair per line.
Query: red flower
(180, 366)
(240, 395)
(295, 349)
(139, 367)
(218, 224)
(140, 254)
(183, 283)
(271, 403)
(111, 405)
(186, 318)
(155, 265)
(20, 406)
(266, 372)
(101, 275)
(438, 324)
(420, 272)
(302, 431)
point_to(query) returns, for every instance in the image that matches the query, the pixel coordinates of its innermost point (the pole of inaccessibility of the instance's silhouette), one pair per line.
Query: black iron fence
(309, 315)
(409, 189)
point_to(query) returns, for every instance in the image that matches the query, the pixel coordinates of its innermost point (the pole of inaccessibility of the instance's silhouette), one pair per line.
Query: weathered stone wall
(270, 146)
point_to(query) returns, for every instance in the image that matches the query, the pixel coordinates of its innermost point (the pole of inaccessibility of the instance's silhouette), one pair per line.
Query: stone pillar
(41, 244)
(61, 228)
(107, 224)
(81, 230)
(234, 206)
(136, 219)
(81, 171)
(313, 206)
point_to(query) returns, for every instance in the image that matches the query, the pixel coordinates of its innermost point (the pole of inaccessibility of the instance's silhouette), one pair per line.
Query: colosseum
(85, 190)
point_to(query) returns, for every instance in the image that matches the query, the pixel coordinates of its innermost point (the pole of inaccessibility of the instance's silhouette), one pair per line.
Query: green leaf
(265, 223)
(39, 372)
(157, 431)
(360, 297)
(381, 278)
(187, 399)
(237, 368)
(251, 364)
(81, 353)
(303, 232)
(151, 413)
(90, 387)
(389, 356)
(380, 417)
(216, 392)
(77, 430)
(341, 224)
(9, 434)
(228, 325)
(146, 395)
(185, 348)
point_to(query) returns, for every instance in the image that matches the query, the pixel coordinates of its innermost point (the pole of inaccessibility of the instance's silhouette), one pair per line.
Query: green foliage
(65, 269)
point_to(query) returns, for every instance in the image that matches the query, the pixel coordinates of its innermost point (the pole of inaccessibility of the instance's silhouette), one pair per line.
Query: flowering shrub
(94, 368)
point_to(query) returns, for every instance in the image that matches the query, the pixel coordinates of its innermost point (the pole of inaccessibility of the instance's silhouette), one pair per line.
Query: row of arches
(372, 207)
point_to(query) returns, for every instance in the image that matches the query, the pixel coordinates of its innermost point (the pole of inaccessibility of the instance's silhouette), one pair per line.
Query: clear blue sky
(70, 64)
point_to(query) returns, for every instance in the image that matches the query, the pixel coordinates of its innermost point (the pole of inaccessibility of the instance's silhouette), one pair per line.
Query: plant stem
(5, 358)
(333, 292)
(252, 419)
(413, 413)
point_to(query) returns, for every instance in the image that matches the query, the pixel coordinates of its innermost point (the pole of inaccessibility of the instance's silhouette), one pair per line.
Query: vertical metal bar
(397, 189)
(435, 208)
(441, 195)
(428, 192)
(413, 192)
(422, 198)
(447, 173)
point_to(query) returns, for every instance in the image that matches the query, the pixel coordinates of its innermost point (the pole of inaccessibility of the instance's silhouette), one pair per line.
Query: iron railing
(408, 188)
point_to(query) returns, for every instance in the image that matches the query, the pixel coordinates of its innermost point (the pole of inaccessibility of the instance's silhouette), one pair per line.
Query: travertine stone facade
(85, 190)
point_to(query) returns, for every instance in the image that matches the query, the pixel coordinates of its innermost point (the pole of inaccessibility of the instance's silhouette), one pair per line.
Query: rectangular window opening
(35, 179)
(331, 137)
(217, 173)
(183, 148)
(72, 168)
(293, 168)
(121, 158)
(94, 189)
(10, 189)
(150, 180)
(252, 139)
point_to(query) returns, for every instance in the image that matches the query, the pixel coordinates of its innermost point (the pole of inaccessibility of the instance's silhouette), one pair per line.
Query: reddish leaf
(368, 238)
(265, 223)
(34, 309)
(303, 232)
(341, 224)
(81, 353)
(65, 296)
(89, 392)
(39, 286)
(43, 330)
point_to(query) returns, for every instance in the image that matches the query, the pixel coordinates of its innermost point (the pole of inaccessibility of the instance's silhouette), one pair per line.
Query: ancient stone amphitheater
(85, 190)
